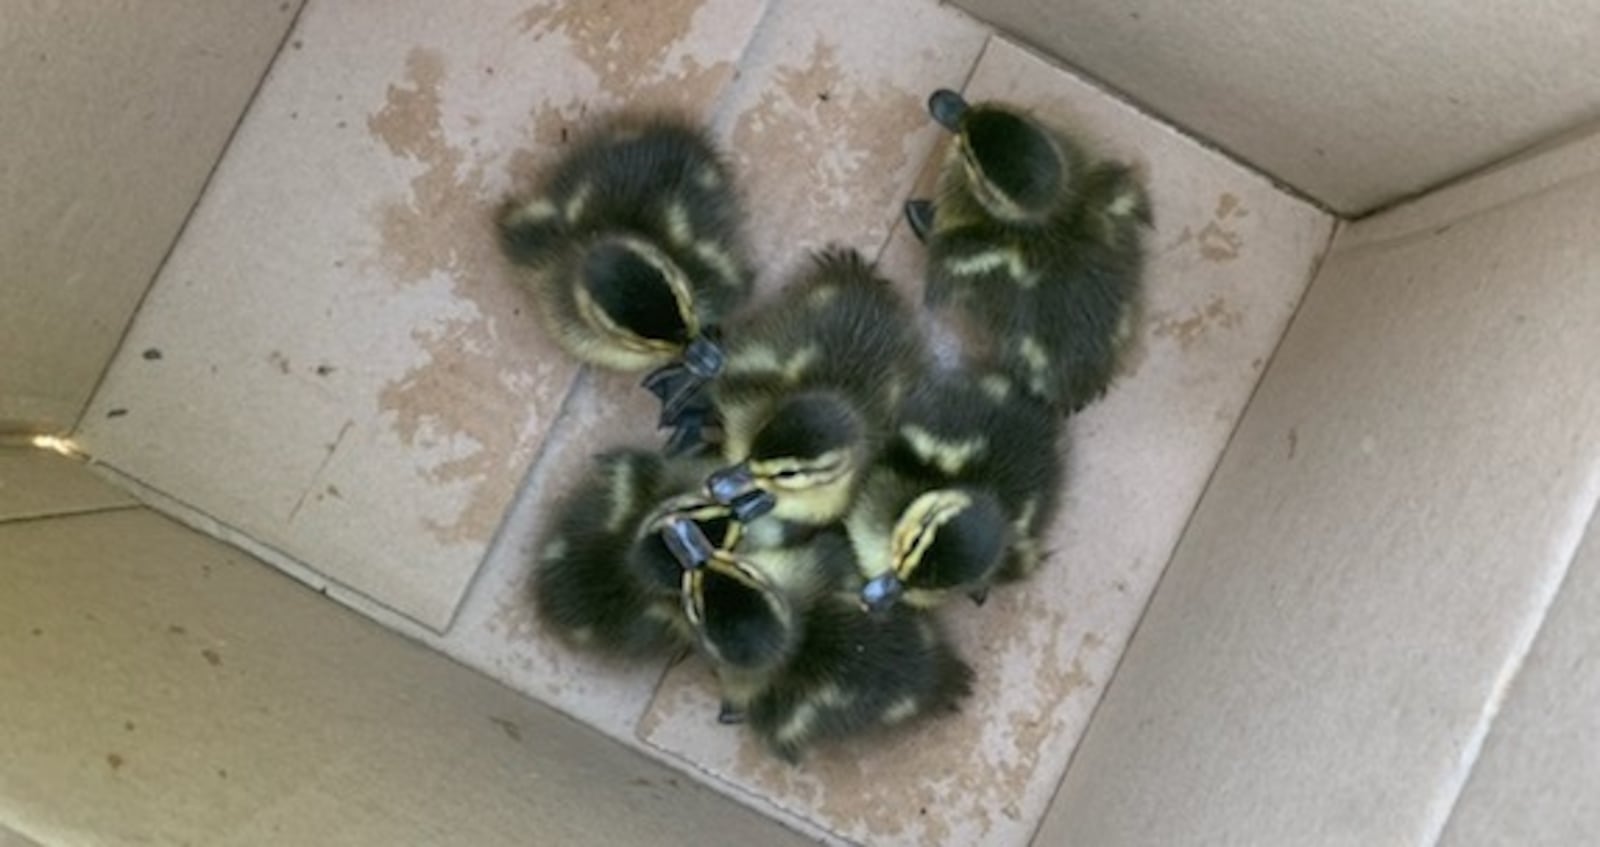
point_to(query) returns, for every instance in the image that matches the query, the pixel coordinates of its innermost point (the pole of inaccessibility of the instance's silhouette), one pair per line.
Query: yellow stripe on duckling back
(949, 456)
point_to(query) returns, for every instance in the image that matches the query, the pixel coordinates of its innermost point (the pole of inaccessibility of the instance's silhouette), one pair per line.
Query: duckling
(962, 495)
(632, 250)
(800, 660)
(855, 672)
(1039, 244)
(810, 388)
(747, 607)
(585, 587)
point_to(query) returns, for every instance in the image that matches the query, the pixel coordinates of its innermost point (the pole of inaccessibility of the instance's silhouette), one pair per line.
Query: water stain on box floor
(474, 383)
(826, 159)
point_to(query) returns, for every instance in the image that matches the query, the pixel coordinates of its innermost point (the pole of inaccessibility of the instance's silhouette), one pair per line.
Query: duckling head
(739, 618)
(1015, 168)
(682, 534)
(806, 459)
(947, 540)
(631, 292)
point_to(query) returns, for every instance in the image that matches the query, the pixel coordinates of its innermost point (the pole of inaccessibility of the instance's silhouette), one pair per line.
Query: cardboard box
(1319, 576)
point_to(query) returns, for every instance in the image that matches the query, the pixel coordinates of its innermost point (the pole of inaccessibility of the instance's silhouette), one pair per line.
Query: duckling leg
(688, 433)
(919, 216)
(680, 391)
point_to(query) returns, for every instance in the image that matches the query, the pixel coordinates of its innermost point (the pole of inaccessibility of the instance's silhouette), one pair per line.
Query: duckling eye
(790, 474)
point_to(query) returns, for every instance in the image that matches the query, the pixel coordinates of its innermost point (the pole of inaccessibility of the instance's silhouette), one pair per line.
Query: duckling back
(1051, 277)
(974, 442)
(981, 430)
(631, 246)
(839, 327)
(856, 672)
(583, 588)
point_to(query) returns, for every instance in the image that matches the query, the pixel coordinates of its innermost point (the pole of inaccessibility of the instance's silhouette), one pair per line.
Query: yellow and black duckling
(1037, 243)
(633, 252)
(746, 602)
(962, 495)
(809, 391)
(587, 587)
(801, 661)
(855, 672)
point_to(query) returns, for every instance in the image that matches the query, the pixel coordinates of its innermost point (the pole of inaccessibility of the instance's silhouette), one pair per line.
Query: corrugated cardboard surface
(35, 483)
(1354, 104)
(286, 322)
(157, 687)
(10, 838)
(1534, 784)
(344, 369)
(113, 115)
(1379, 546)
(1230, 258)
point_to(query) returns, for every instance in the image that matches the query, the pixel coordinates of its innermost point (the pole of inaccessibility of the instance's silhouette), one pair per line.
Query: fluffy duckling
(1037, 243)
(856, 672)
(810, 389)
(747, 607)
(585, 586)
(962, 495)
(632, 249)
(800, 660)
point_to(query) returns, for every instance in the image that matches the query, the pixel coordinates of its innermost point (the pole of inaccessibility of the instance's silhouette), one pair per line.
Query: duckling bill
(1037, 242)
(962, 494)
(590, 581)
(810, 388)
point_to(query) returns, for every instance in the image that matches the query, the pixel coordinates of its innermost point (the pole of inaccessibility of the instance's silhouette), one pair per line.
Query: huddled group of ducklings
(826, 484)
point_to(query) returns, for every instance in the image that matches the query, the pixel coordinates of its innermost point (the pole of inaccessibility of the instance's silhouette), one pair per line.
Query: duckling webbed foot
(683, 385)
(688, 433)
(729, 714)
(919, 216)
(881, 593)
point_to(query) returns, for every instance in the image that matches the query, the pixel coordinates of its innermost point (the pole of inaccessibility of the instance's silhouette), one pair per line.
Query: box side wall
(181, 692)
(1534, 784)
(1380, 545)
(1355, 105)
(115, 114)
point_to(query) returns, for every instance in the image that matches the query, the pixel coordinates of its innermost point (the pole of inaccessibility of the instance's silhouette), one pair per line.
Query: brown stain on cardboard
(480, 374)
(833, 164)
(945, 780)
(1192, 328)
(629, 48)
(212, 657)
(471, 392)
(1219, 240)
(115, 760)
(509, 727)
(1294, 441)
